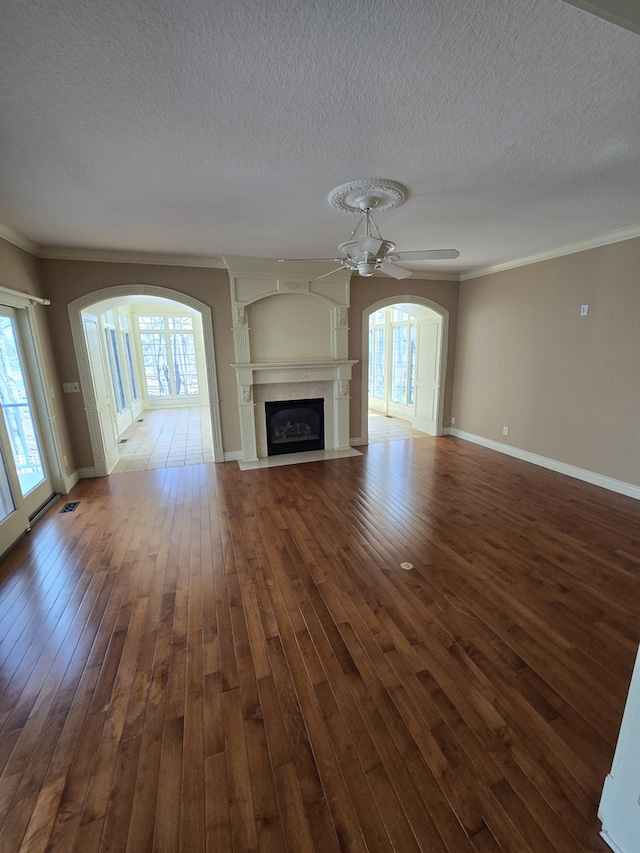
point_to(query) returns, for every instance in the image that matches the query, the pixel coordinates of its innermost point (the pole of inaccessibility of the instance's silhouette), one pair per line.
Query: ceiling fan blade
(337, 269)
(395, 271)
(369, 244)
(287, 260)
(428, 255)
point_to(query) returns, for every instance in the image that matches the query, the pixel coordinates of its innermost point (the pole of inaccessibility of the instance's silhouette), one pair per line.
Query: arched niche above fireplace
(289, 327)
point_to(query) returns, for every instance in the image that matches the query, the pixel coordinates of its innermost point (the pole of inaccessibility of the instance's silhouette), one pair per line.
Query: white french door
(25, 480)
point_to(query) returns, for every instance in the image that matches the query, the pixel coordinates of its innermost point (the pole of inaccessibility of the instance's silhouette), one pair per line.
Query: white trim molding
(443, 314)
(124, 257)
(75, 309)
(89, 473)
(253, 280)
(70, 480)
(298, 376)
(569, 249)
(628, 489)
(623, 13)
(17, 239)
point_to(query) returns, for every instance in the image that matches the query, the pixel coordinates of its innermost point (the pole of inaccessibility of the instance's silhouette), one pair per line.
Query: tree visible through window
(169, 356)
(392, 356)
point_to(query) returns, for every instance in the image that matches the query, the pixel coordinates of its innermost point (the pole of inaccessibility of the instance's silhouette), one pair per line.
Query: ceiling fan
(368, 252)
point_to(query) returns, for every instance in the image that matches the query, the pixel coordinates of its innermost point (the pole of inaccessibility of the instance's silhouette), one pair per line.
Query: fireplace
(294, 426)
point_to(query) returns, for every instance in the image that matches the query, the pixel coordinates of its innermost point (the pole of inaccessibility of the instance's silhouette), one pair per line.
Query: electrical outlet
(71, 387)
(584, 310)
(505, 430)
(453, 420)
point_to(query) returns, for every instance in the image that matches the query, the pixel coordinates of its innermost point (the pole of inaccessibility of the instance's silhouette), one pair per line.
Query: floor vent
(70, 507)
(123, 441)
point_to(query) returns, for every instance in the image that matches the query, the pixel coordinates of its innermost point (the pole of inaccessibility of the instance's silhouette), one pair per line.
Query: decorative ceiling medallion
(373, 194)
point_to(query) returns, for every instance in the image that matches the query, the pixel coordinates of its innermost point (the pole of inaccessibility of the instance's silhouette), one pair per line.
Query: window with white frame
(392, 359)
(114, 357)
(168, 352)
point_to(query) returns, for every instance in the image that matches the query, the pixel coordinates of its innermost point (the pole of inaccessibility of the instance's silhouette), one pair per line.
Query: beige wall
(565, 385)
(568, 387)
(18, 269)
(64, 281)
(366, 292)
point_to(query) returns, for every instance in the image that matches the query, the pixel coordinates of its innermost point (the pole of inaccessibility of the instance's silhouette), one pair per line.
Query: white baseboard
(232, 455)
(628, 489)
(70, 481)
(87, 473)
(358, 441)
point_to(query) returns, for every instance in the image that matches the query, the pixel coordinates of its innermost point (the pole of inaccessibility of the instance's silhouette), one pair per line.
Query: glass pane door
(25, 485)
(17, 411)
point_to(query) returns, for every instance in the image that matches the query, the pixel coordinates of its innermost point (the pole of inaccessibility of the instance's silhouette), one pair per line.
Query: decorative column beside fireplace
(290, 337)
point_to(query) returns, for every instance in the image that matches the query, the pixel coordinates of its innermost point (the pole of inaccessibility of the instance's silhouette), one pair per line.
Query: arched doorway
(98, 400)
(420, 326)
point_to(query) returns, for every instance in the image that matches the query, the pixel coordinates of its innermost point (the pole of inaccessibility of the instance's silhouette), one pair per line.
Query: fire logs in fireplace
(294, 426)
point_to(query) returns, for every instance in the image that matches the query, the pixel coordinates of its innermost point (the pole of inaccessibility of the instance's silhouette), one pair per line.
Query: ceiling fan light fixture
(368, 252)
(366, 268)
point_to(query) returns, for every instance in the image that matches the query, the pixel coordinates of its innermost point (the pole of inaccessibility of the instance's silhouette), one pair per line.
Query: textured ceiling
(215, 127)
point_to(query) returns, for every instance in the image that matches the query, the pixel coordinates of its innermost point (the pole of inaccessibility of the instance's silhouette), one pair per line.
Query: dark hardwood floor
(201, 659)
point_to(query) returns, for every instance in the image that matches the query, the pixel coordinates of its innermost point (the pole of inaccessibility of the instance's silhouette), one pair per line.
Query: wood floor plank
(202, 659)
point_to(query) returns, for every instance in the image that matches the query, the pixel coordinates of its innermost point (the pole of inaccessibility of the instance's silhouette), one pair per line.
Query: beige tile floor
(166, 438)
(385, 428)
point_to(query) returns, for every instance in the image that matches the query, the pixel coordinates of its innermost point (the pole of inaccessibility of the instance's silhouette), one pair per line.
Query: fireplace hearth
(294, 426)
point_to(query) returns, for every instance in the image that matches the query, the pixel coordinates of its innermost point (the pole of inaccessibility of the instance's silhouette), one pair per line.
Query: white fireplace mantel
(290, 331)
(297, 377)
(262, 373)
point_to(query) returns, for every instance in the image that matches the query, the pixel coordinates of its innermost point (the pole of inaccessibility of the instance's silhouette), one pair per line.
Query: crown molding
(623, 13)
(16, 239)
(425, 275)
(219, 262)
(114, 256)
(67, 253)
(569, 249)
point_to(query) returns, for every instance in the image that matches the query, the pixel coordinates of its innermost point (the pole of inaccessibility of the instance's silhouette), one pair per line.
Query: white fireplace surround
(290, 338)
(261, 383)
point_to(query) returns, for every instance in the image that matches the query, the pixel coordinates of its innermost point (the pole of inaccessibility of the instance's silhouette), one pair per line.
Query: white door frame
(101, 415)
(41, 394)
(41, 384)
(151, 290)
(444, 347)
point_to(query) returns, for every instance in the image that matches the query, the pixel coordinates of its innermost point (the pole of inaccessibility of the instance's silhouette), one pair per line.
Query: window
(169, 356)
(115, 369)
(377, 361)
(18, 417)
(392, 357)
(132, 372)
